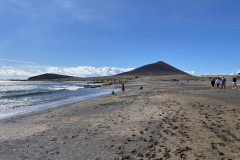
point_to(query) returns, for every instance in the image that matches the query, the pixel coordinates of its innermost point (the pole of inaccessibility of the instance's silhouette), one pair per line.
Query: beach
(165, 120)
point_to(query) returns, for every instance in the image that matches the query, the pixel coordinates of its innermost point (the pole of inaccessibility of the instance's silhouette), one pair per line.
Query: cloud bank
(10, 72)
(87, 71)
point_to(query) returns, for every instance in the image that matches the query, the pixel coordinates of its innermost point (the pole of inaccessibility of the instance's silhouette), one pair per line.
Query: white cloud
(9, 72)
(191, 72)
(12, 60)
(53, 70)
(87, 71)
(23, 72)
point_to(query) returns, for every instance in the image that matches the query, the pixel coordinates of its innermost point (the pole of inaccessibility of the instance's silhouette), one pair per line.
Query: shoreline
(41, 110)
(164, 120)
(20, 111)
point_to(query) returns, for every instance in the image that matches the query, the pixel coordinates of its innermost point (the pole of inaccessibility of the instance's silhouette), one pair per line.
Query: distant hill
(156, 69)
(48, 76)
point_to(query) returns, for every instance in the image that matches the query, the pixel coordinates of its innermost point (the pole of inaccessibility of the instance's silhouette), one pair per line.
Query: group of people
(214, 82)
(217, 82)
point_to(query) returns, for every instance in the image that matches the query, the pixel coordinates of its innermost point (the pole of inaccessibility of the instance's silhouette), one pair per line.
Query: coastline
(105, 88)
(46, 109)
(164, 120)
(39, 107)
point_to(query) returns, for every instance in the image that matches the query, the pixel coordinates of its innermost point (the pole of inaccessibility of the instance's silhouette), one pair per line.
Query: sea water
(19, 97)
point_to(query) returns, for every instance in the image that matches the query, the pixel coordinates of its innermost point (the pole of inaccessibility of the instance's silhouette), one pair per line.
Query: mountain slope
(155, 69)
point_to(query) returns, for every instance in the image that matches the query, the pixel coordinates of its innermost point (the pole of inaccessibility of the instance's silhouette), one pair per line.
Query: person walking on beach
(213, 83)
(218, 82)
(223, 83)
(234, 83)
(123, 88)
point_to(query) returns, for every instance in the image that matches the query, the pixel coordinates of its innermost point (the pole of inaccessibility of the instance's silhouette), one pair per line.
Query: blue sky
(93, 37)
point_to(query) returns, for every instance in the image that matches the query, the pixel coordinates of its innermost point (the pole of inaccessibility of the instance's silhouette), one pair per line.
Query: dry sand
(165, 120)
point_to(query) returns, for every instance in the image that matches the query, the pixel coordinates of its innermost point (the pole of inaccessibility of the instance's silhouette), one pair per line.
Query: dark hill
(156, 69)
(48, 76)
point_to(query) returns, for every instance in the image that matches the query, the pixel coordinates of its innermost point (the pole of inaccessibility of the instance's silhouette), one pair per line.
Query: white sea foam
(71, 88)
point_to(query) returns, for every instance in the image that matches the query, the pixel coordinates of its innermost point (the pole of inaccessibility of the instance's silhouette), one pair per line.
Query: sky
(98, 38)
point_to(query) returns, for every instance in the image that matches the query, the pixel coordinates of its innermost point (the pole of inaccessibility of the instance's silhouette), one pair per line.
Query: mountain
(48, 76)
(156, 69)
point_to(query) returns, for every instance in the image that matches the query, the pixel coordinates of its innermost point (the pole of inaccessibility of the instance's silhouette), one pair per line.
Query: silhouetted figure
(113, 92)
(223, 83)
(213, 83)
(123, 88)
(234, 83)
(141, 88)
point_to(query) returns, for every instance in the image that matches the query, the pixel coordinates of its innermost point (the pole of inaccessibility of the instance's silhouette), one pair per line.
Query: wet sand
(165, 120)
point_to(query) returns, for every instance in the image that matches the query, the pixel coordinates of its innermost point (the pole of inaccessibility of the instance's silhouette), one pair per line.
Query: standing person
(218, 82)
(223, 83)
(213, 83)
(234, 83)
(123, 88)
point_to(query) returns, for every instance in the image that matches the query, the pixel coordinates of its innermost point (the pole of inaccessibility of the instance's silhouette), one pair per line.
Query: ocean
(20, 97)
